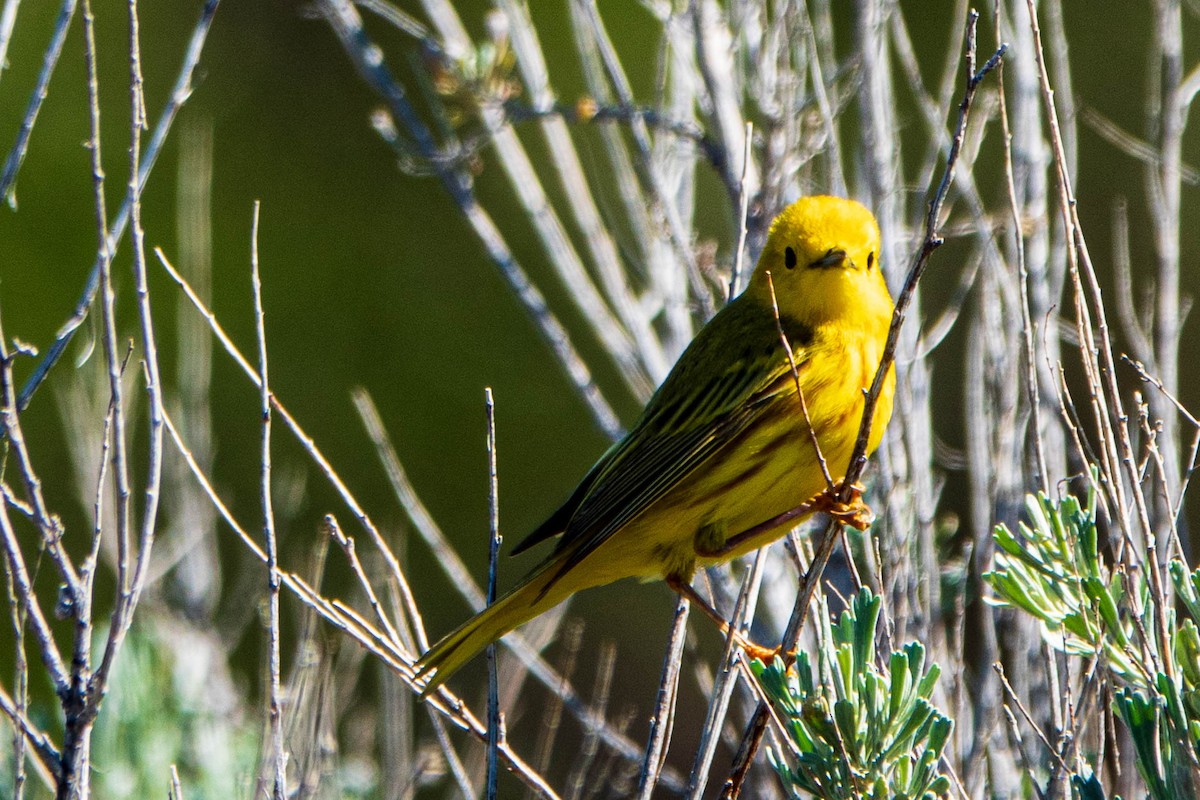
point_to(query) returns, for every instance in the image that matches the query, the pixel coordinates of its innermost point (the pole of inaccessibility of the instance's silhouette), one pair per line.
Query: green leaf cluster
(855, 728)
(1053, 571)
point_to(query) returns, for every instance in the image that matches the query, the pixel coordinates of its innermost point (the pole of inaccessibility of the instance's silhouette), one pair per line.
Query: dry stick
(663, 721)
(791, 357)
(16, 156)
(1144, 374)
(493, 701)
(274, 703)
(21, 585)
(179, 95)
(334, 531)
(344, 18)
(1082, 263)
(462, 581)
(176, 787)
(16, 710)
(127, 599)
(722, 692)
(45, 756)
(752, 736)
(1156, 454)
(401, 639)
(75, 770)
(999, 668)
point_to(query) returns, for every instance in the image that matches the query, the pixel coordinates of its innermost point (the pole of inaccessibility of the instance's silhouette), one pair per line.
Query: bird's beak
(834, 258)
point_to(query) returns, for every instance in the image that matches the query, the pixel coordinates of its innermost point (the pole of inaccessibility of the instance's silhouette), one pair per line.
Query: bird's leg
(854, 512)
(752, 649)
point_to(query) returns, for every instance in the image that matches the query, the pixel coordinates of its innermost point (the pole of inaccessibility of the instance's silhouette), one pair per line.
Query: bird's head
(823, 256)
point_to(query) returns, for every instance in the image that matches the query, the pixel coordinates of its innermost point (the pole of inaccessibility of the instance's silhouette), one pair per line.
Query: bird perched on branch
(744, 429)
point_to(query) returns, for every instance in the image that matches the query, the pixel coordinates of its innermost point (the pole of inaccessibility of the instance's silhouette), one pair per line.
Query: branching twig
(179, 95)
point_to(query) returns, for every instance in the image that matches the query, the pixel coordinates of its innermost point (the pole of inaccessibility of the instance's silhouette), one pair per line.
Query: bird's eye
(789, 258)
(870, 259)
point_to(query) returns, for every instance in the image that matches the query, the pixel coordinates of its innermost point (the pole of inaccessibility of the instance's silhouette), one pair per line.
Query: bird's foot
(854, 512)
(753, 650)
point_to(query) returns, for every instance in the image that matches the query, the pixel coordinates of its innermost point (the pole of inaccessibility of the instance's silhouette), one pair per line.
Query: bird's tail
(538, 593)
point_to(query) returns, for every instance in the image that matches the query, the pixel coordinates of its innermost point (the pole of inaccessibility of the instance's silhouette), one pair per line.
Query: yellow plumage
(723, 445)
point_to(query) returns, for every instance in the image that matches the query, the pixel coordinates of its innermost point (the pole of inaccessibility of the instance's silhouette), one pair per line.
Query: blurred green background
(372, 279)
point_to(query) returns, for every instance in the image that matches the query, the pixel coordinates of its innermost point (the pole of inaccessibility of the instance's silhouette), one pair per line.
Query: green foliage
(1054, 572)
(855, 728)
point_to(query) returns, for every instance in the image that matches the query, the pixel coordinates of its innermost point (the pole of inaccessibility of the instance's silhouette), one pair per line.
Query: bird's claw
(753, 650)
(854, 512)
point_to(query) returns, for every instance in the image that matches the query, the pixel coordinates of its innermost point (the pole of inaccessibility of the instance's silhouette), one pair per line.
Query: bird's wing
(708, 400)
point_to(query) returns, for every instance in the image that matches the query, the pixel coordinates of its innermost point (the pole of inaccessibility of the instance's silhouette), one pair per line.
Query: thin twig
(494, 540)
(791, 357)
(16, 156)
(722, 692)
(274, 699)
(663, 721)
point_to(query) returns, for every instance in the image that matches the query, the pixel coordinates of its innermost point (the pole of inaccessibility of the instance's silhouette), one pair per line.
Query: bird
(742, 430)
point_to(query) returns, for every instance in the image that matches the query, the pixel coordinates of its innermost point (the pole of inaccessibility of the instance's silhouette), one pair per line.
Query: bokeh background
(372, 279)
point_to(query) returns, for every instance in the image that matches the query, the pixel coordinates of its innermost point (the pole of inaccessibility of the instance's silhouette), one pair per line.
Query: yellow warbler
(724, 445)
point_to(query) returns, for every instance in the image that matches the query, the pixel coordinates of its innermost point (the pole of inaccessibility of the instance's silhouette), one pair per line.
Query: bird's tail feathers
(537, 594)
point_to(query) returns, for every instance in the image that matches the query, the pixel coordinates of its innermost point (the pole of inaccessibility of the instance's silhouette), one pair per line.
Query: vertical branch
(130, 591)
(718, 704)
(663, 721)
(20, 699)
(77, 726)
(275, 707)
(493, 706)
(1167, 119)
(1096, 354)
